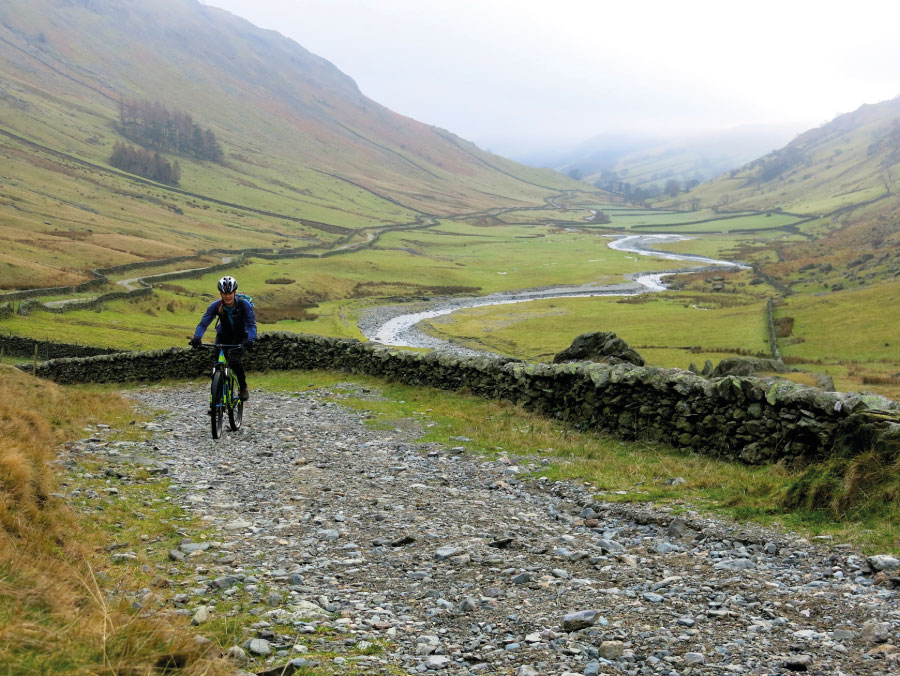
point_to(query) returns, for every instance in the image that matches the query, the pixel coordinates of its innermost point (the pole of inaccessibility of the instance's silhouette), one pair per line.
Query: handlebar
(222, 345)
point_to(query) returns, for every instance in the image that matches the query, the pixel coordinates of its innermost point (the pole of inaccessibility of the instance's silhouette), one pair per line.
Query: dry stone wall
(741, 418)
(52, 290)
(27, 307)
(770, 330)
(47, 349)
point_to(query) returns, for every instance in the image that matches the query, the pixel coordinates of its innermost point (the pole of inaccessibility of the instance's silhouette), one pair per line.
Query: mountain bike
(223, 393)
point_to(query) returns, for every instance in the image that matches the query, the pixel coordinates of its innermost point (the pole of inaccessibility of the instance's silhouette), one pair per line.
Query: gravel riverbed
(457, 564)
(398, 325)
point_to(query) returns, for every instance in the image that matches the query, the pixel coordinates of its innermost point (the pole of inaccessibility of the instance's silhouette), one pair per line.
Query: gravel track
(458, 565)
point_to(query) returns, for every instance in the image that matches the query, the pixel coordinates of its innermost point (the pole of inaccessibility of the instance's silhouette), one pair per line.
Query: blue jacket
(245, 313)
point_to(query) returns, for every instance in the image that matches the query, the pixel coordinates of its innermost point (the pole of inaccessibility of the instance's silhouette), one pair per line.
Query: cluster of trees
(157, 128)
(611, 181)
(146, 163)
(777, 163)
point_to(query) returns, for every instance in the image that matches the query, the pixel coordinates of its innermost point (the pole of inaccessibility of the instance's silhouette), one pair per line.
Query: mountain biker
(236, 325)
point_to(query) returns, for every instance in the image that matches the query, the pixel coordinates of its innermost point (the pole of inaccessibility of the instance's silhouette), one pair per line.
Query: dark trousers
(234, 358)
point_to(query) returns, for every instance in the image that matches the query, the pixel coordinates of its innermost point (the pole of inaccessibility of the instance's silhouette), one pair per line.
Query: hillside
(625, 164)
(852, 160)
(307, 158)
(842, 179)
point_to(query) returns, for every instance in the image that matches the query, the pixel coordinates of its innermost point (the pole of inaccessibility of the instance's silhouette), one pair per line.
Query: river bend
(397, 325)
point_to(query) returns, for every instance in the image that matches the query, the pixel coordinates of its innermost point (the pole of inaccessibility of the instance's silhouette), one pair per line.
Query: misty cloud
(515, 76)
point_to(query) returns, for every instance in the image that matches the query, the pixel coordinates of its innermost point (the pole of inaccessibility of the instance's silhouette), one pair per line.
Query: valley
(330, 205)
(369, 523)
(329, 289)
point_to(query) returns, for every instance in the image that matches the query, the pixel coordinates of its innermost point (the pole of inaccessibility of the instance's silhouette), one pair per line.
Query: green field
(747, 222)
(672, 329)
(454, 258)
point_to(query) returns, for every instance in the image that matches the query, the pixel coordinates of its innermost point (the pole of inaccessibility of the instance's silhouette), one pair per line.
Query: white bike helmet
(227, 284)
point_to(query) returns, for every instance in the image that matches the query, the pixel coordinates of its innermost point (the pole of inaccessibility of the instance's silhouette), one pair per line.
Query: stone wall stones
(47, 349)
(101, 274)
(28, 306)
(770, 330)
(739, 418)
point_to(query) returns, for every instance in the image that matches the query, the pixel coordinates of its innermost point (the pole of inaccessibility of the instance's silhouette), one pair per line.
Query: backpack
(237, 305)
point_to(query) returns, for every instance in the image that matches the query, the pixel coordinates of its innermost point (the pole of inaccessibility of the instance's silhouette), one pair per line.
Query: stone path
(458, 565)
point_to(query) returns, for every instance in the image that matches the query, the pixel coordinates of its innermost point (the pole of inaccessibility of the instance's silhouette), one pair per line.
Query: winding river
(397, 326)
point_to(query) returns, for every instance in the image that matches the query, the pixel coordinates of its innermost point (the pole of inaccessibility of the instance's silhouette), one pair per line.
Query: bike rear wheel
(235, 405)
(217, 404)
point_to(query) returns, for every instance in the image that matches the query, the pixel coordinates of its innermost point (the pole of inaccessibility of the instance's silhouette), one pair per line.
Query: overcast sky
(521, 75)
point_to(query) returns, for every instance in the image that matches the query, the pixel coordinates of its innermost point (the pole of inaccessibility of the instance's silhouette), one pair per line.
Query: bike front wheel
(217, 404)
(235, 406)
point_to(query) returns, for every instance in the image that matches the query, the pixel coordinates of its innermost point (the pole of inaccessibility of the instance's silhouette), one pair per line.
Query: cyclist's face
(228, 298)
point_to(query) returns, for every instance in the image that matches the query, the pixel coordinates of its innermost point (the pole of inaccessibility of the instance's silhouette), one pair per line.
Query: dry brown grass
(54, 615)
(378, 289)
(881, 380)
(297, 310)
(784, 327)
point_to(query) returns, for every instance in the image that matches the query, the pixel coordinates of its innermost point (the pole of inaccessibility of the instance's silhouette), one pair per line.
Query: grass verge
(60, 612)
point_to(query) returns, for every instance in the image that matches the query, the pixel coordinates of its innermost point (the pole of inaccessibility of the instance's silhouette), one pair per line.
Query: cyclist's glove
(195, 342)
(249, 344)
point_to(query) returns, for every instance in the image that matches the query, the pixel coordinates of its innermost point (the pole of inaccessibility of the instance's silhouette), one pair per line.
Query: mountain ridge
(851, 160)
(300, 138)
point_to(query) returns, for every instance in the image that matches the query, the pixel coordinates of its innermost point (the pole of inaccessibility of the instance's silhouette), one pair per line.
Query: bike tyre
(236, 409)
(217, 404)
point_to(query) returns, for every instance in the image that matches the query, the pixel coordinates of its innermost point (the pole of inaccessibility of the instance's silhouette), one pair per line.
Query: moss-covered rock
(599, 346)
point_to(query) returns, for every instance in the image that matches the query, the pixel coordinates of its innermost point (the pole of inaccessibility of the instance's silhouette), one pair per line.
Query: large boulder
(600, 346)
(747, 366)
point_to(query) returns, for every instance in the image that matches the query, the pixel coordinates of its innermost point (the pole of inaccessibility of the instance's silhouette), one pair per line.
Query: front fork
(226, 394)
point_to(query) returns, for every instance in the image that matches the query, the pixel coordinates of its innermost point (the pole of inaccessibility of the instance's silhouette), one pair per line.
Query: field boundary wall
(17, 346)
(739, 418)
(770, 330)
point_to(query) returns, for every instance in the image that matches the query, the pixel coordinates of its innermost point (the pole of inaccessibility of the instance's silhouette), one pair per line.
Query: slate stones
(580, 620)
(876, 632)
(445, 553)
(258, 646)
(611, 650)
(735, 564)
(236, 525)
(883, 562)
(201, 616)
(460, 568)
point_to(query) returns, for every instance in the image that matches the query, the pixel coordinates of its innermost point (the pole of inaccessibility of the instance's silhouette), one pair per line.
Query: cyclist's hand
(195, 342)
(249, 344)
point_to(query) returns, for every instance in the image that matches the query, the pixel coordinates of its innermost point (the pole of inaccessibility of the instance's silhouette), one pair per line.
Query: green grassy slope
(301, 143)
(841, 185)
(849, 161)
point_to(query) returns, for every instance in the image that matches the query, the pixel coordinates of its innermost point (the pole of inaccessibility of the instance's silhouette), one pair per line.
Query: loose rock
(358, 537)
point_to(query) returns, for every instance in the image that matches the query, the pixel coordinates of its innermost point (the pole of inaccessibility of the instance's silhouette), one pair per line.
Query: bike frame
(229, 402)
